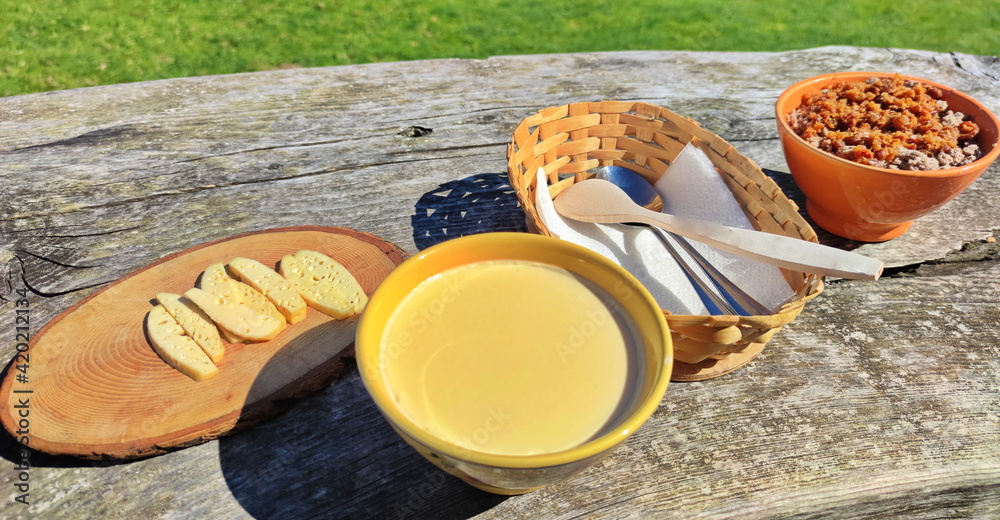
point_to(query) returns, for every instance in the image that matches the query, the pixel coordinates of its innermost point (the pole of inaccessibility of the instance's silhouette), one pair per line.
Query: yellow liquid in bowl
(511, 357)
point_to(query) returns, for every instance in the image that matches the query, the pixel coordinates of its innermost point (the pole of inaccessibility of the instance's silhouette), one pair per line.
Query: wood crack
(195, 189)
(265, 149)
(306, 145)
(11, 270)
(452, 149)
(84, 139)
(979, 71)
(95, 234)
(753, 139)
(44, 294)
(451, 115)
(955, 262)
(56, 262)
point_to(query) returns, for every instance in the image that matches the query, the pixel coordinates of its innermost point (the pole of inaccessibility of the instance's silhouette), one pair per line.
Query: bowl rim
(368, 347)
(834, 77)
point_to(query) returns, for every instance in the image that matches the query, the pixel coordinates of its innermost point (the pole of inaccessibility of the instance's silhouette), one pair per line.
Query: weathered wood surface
(880, 400)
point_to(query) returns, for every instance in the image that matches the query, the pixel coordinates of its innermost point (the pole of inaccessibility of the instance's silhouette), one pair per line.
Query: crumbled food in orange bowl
(888, 123)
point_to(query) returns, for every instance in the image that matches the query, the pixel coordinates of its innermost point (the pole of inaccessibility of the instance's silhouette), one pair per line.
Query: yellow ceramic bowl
(514, 474)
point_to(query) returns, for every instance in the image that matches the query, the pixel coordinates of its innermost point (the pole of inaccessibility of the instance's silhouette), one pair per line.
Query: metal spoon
(719, 294)
(597, 200)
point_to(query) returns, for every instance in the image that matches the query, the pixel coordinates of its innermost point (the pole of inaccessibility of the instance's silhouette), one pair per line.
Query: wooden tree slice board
(98, 390)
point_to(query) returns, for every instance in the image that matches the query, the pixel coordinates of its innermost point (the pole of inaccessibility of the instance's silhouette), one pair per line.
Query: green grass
(51, 45)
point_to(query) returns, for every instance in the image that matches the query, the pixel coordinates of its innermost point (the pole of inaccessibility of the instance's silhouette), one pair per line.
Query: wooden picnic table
(881, 400)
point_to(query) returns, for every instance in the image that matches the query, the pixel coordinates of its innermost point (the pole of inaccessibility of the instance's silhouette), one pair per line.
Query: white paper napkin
(691, 187)
(635, 248)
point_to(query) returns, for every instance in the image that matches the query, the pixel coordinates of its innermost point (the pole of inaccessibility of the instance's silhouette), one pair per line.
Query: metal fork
(742, 302)
(719, 294)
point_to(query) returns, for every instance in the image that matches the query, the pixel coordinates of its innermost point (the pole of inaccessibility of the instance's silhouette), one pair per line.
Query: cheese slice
(212, 280)
(272, 285)
(232, 315)
(222, 283)
(214, 277)
(230, 336)
(177, 348)
(195, 323)
(324, 283)
(216, 281)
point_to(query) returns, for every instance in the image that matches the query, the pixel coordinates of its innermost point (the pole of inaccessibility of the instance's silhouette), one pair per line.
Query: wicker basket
(569, 142)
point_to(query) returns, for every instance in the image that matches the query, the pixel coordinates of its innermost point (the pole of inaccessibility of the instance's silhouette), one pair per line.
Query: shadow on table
(333, 455)
(479, 203)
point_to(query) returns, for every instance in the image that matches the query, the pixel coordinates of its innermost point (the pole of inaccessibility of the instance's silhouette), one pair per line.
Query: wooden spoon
(596, 200)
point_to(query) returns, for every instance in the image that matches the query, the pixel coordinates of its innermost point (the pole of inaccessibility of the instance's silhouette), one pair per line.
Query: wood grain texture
(879, 400)
(99, 390)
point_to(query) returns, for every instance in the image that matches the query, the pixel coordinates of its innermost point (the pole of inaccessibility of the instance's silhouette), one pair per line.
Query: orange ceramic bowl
(868, 203)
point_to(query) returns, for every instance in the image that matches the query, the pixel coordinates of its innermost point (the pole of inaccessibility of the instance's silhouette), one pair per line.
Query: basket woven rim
(561, 141)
